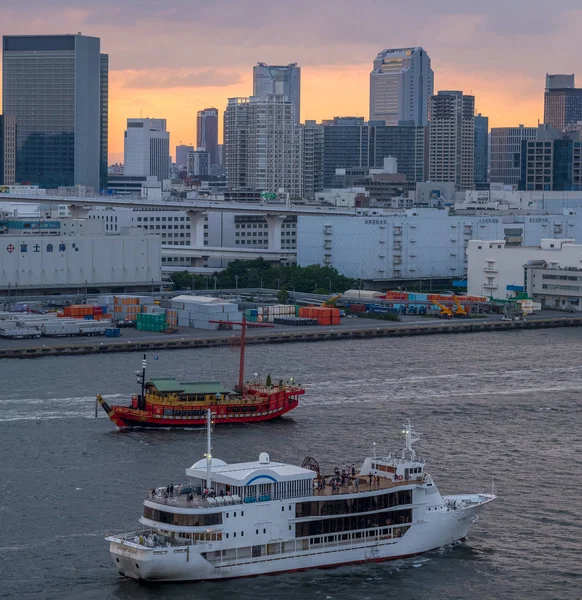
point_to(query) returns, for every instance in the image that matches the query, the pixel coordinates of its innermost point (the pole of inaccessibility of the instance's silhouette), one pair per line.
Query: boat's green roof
(169, 384)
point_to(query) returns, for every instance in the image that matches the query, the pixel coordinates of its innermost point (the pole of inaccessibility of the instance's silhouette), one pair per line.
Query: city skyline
(163, 72)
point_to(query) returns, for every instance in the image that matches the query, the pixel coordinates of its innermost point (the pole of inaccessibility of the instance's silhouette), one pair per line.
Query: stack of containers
(151, 322)
(267, 314)
(324, 315)
(127, 307)
(252, 315)
(199, 311)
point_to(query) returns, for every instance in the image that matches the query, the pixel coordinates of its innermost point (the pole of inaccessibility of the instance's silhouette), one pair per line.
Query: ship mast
(243, 324)
(241, 366)
(208, 448)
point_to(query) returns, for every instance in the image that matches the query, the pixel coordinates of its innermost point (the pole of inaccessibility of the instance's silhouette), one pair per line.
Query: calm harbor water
(502, 405)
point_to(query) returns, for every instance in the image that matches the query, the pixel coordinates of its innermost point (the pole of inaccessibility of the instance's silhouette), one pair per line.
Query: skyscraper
(401, 85)
(147, 148)
(481, 149)
(263, 145)
(280, 80)
(562, 101)
(207, 133)
(7, 149)
(506, 149)
(104, 121)
(54, 86)
(452, 139)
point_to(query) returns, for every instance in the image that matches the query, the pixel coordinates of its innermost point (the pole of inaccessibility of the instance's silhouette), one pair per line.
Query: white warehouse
(122, 262)
(497, 270)
(420, 243)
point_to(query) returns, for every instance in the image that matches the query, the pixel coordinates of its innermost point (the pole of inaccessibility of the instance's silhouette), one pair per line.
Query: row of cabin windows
(353, 505)
(353, 523)
(187, 520)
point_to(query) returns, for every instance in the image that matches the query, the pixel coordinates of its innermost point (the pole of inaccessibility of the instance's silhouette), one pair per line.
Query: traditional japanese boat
(166, 402)
(254, 518)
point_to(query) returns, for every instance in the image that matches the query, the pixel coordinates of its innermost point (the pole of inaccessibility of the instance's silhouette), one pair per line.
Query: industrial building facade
(61, 262)
(418, 244)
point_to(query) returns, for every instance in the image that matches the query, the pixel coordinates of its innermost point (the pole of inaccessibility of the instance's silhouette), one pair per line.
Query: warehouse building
(64, 264)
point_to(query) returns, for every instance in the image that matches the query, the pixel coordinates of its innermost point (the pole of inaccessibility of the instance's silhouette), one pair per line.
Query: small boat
(266, 517)
(165, 402)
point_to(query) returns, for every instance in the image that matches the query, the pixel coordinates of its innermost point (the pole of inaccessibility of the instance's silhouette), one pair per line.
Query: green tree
(282, 296)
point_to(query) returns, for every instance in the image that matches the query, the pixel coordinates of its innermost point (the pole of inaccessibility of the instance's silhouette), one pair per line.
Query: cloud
(159, 80)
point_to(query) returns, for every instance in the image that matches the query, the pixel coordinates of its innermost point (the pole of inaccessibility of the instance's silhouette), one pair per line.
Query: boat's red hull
(125, 417)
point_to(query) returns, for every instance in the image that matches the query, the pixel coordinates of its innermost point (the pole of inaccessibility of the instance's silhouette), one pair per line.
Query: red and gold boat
(166, 402)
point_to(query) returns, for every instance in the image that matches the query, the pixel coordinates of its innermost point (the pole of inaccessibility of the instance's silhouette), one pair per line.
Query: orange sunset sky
(171, 59)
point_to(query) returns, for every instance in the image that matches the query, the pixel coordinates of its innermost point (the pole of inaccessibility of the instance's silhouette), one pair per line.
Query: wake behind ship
(268, 517)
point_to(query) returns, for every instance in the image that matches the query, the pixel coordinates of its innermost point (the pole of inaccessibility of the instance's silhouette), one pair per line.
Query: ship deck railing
(363, 485)
(184, 497)
(150, 538)
(319, 543)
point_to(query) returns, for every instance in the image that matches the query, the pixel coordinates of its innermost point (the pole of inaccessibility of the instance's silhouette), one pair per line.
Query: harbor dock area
(133, 340)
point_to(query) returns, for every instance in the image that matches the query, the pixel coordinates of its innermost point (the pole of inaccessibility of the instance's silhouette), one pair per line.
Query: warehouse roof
(198, 299)
(169, 384)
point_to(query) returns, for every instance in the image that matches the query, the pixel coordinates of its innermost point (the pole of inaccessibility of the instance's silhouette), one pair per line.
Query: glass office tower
(53, 85)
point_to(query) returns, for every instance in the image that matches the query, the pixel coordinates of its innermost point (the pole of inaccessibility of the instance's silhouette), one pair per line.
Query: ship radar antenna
(411, 437)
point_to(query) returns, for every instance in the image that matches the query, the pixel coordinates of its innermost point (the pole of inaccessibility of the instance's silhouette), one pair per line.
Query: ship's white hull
(187, 563)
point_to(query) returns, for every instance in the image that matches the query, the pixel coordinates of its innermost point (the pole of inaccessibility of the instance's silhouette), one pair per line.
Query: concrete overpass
(197, 254)
(274, 214)
(178, 204)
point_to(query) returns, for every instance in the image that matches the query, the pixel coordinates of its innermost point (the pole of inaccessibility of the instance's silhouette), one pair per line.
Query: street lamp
(236, 281)
(193, 282)
(329, 279)
(215, 280)
(261, 284)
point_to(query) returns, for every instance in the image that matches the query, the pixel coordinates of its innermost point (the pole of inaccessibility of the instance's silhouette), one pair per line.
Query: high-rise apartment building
(452, 139)
(401, 85)
(263, 145)
(147, 149)
(562, 101)
(207, 133)
(481, 149)
(312, 152)
(55, 87)
(279, 80)
(506, 149)
(7, 149)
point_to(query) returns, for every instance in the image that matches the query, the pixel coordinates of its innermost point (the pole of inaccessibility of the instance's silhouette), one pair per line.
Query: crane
(330, 301)
(460, 312)
(446, 312)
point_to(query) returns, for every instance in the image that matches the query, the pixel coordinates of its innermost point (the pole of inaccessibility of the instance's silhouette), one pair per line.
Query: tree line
(261, 274)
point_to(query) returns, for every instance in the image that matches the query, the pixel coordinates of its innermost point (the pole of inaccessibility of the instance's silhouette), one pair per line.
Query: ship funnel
(264, 458)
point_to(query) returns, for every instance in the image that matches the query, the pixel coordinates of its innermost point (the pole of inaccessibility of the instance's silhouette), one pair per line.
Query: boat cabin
(259, 481)
(170, 391)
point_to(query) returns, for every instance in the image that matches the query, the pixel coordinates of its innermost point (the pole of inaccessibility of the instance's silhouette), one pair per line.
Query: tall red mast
(243, 337)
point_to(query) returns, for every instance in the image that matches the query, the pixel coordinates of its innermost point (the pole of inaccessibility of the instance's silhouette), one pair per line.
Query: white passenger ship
(269, 517)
